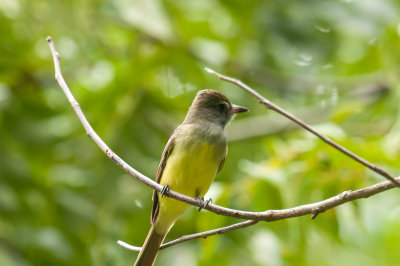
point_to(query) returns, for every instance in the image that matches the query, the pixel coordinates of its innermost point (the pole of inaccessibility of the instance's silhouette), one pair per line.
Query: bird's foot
(205, 202)
(164, 190)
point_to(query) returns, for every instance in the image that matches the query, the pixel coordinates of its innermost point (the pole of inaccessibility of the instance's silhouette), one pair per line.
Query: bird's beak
(238, 109)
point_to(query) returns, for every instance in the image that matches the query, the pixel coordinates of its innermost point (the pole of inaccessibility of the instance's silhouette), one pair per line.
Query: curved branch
(304, 125)
(204, 235)
(314, 209)
(270, 215)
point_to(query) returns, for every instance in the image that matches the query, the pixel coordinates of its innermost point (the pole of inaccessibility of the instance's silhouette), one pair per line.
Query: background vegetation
(135, 66)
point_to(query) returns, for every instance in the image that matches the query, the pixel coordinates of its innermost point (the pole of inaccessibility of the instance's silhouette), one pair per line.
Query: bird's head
(213, 106)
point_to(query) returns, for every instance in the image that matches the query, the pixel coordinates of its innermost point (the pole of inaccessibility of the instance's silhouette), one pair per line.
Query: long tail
(150, 248)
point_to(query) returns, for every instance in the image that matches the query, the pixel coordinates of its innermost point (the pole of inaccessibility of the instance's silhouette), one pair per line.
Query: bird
(194, 154)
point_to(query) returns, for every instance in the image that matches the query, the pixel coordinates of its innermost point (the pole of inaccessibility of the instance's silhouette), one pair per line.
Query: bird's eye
(222, 107)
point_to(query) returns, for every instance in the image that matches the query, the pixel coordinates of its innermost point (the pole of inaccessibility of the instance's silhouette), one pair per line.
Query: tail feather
(150, 248)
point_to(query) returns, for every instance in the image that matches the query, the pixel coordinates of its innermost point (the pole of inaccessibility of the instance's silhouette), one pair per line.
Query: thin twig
(298, 121)
(314, 209)
(128, 246)
(204, 235)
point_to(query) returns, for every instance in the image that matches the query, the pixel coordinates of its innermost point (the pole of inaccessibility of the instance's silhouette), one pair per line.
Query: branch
(195, 236)
(268, 216)
(283, 112)
(263, 216)
(314, 209)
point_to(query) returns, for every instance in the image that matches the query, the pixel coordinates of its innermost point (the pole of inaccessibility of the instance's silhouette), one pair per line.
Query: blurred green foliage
(135, 66)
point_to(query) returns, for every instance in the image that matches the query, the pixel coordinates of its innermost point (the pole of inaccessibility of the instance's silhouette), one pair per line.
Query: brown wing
(166, 153)
(221, 164)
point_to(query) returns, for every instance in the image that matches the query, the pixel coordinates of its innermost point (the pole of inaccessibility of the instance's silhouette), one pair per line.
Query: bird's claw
(164, 190)
(205, 202)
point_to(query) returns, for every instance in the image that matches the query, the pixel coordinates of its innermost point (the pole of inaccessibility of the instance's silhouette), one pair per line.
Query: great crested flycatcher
(194, 154)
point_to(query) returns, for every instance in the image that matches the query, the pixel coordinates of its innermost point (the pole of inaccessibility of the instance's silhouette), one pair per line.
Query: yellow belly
(190, 171)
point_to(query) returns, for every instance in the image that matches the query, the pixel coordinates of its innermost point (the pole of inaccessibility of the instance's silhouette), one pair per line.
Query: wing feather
(166, 153)
(221, 165)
